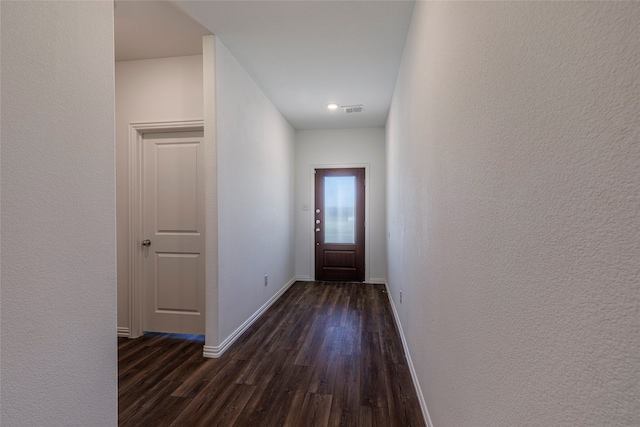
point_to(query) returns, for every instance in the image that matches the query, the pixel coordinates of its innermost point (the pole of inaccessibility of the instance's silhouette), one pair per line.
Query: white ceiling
(303, 54)
(154, 29)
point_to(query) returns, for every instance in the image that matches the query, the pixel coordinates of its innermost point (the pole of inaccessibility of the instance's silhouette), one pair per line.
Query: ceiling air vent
(353, 108)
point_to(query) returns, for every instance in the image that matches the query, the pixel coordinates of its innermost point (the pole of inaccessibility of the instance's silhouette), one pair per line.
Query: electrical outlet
(266, 280)
(400, 297)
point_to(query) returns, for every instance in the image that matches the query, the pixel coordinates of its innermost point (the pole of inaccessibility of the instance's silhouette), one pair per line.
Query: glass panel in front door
(339, 206)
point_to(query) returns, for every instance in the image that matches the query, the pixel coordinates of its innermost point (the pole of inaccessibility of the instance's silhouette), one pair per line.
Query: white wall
(212, 333)
(152, 90)
(58, 250)
(513, 203)
(326, 148)
(255, 196)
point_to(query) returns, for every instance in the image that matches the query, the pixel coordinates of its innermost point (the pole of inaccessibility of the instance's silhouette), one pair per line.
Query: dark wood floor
(325, 354)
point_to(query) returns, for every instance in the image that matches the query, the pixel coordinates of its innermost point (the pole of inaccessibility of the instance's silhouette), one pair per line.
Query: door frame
(367, 240)
(136, 139)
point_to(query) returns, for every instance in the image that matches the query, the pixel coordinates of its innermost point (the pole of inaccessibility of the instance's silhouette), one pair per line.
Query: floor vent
(353, 108)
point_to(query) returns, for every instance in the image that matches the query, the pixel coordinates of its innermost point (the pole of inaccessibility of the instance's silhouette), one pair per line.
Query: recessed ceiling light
(332, 106)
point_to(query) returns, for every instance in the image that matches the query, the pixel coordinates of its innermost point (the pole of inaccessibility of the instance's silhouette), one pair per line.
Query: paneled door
(173, 224)
(339, 226)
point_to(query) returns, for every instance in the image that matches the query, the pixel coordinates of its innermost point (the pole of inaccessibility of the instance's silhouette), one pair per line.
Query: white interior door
(173, 224)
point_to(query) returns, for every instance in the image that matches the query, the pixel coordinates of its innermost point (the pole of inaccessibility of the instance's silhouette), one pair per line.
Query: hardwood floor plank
(186, 369)
(311, 345)
(346, 402)
(373, 383)
(162, 414)
(380, 416)
(297, 330)
(324, 354)
(293, 416)
(365, 416)
(326, 366)
(226, 408)
(156, 361)
(286, 385)
(214, 371)
(145, 409)
(392, 350)
(257, 408)
(220, 399)
(266, 367)
(404, 409)
(316, 409)
(351, 344)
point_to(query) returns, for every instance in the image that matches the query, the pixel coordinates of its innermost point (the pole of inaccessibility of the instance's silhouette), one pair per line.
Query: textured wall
(255, 195)
(152, 90)
(514, 211)
(341, 147)
(59, 362)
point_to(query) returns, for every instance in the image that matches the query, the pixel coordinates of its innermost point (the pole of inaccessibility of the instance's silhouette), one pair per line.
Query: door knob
(146, 242)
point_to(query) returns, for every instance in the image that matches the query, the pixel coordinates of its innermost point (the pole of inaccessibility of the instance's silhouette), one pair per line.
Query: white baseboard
(123, 332)
(414, 376)
(377, 281)
(212, 351)
(304, 278)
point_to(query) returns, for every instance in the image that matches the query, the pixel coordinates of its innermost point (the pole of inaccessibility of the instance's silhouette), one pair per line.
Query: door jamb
(136, 137)
(366, 167)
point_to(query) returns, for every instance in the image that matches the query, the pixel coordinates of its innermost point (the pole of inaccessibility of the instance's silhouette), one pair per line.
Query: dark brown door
(339, 224)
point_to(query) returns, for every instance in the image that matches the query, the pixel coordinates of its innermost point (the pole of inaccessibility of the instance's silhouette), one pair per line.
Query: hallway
(506, 230)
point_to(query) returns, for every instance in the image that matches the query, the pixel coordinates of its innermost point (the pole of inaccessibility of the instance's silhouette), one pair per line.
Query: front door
(173, 224)
(339, 224)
